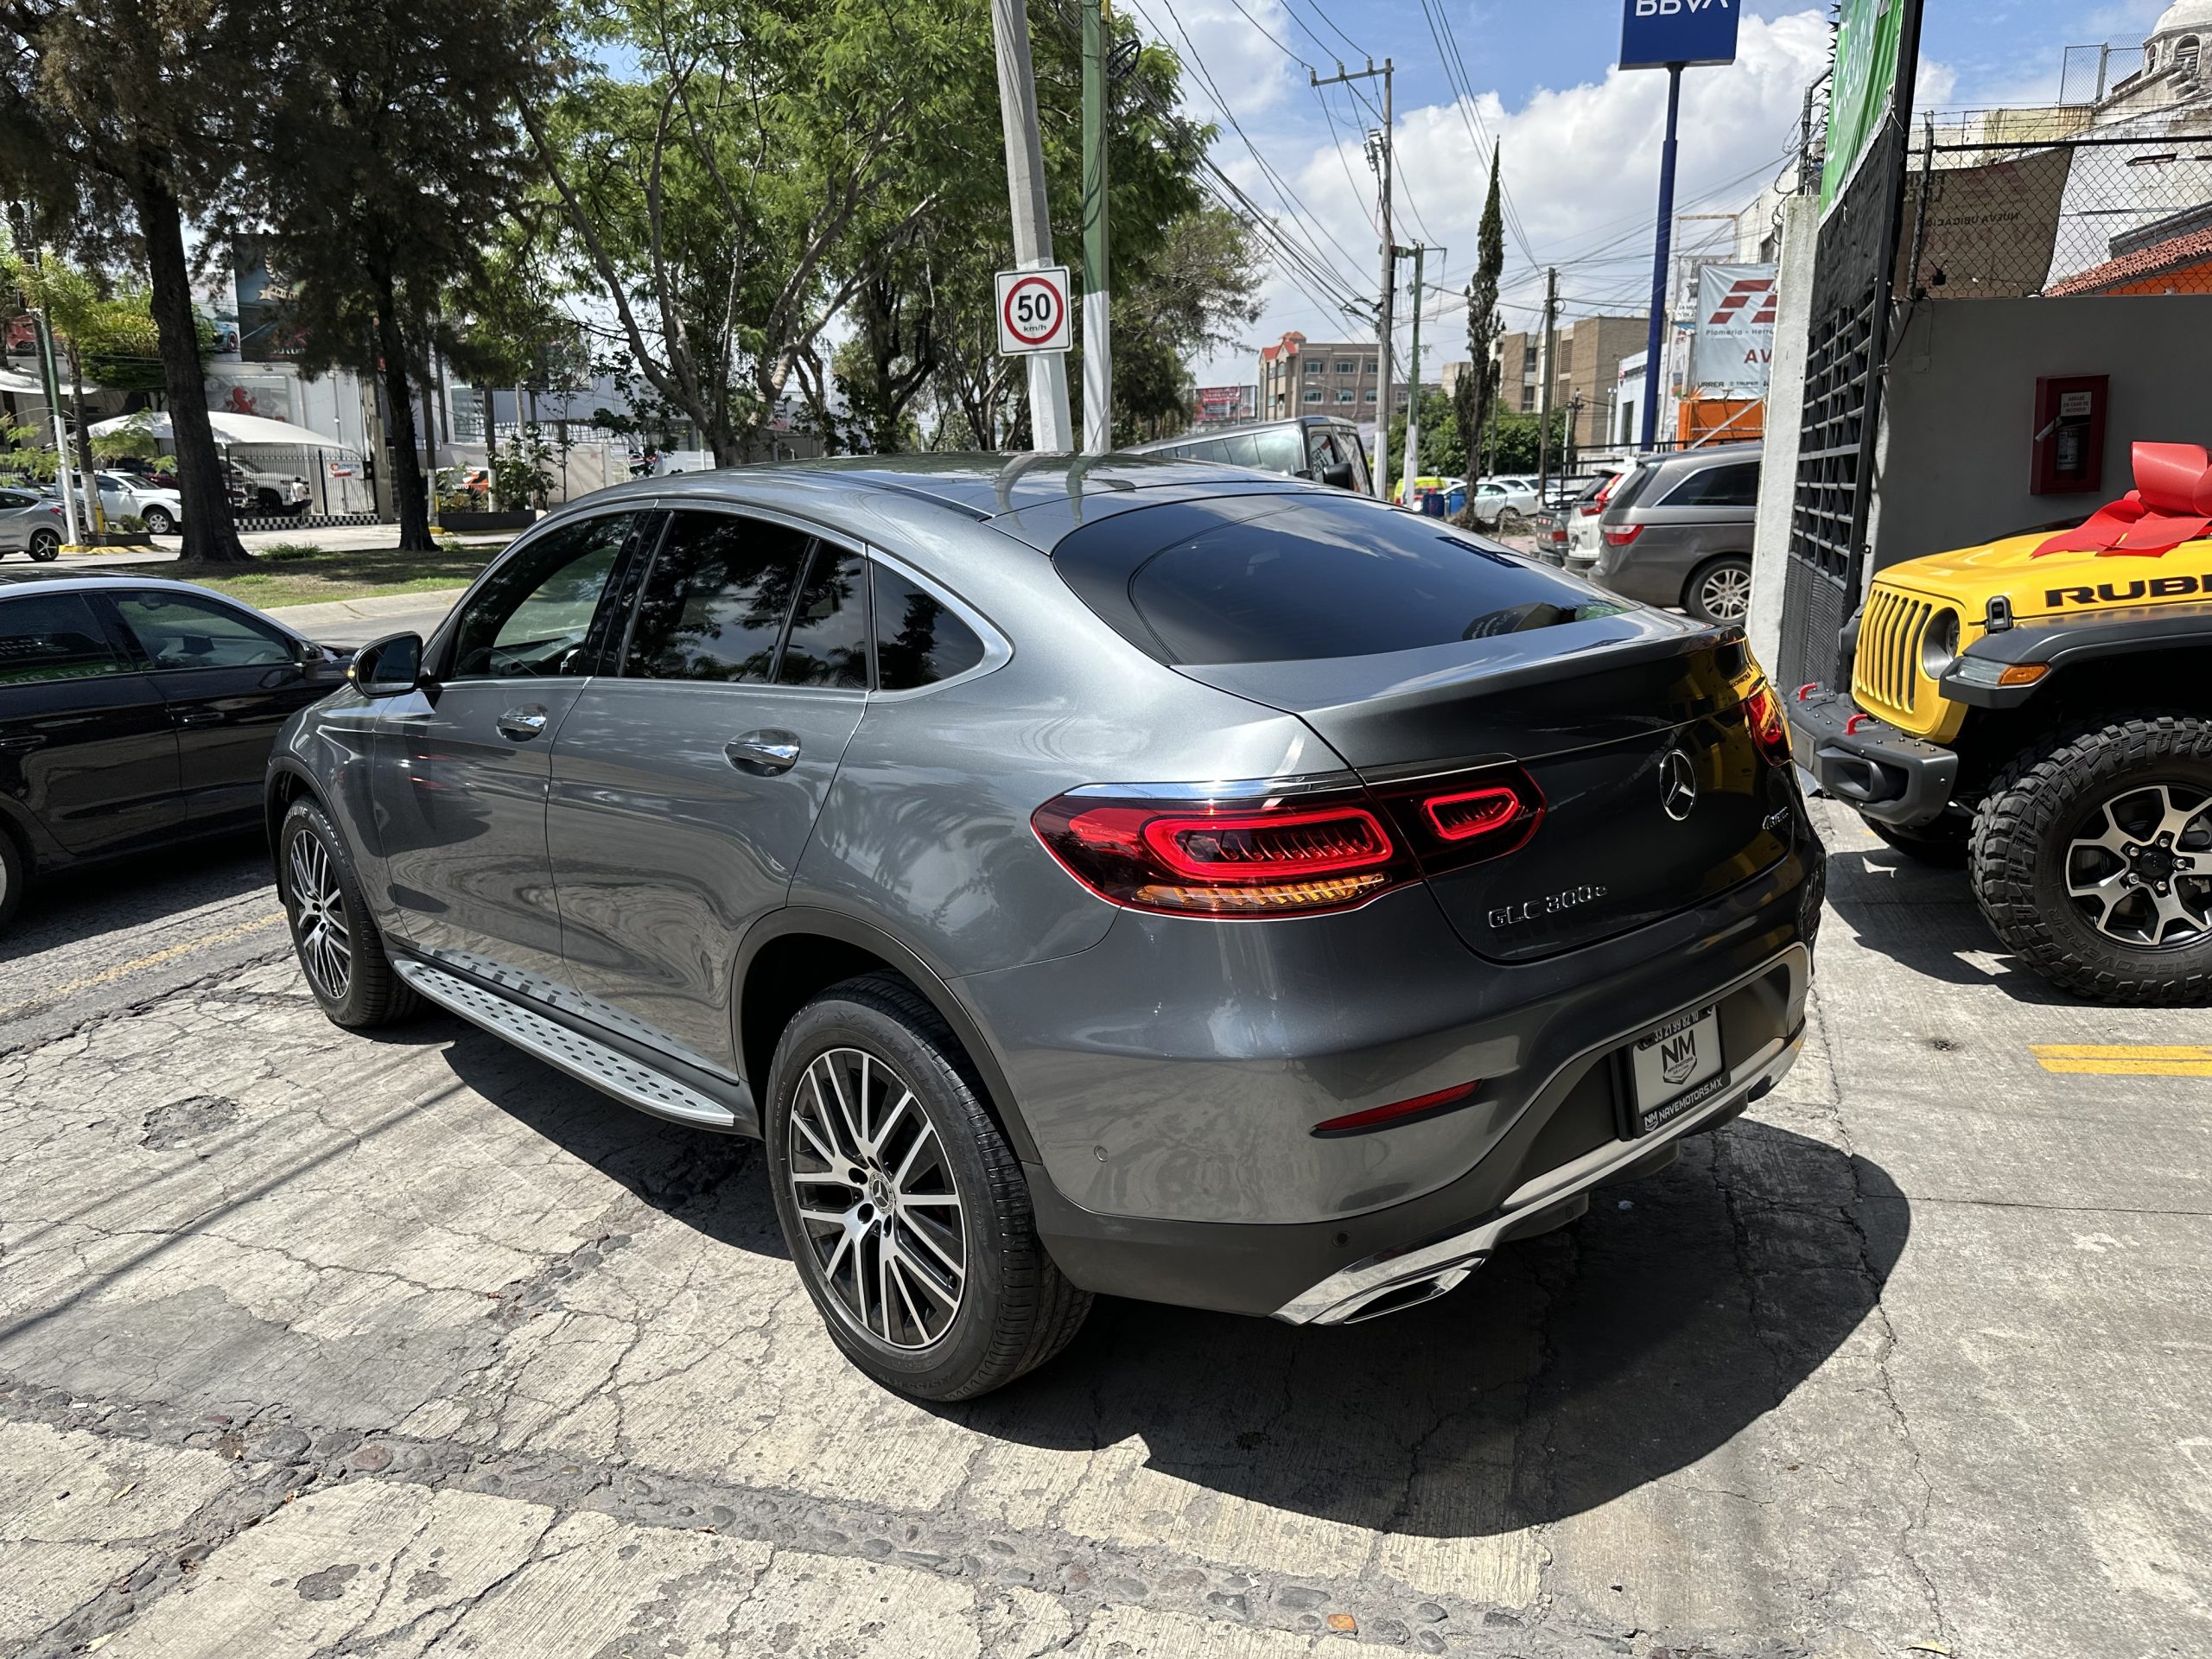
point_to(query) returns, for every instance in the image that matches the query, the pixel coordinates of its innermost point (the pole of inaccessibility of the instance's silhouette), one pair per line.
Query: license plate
(1675, 1068)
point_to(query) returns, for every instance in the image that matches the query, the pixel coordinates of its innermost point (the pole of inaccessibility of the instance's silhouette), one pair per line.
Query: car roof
(1206, 434)
(1749, 450)
(1034, 498)
(85, 581)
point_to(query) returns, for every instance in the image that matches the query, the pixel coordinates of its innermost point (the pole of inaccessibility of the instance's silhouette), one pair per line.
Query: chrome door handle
(522, 724)
(30, 740)
(199, 717)
(768, 751)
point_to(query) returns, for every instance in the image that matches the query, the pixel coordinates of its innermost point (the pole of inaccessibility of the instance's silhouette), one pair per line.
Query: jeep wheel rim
(876, 1200)
(2139, 867)
(319, 929)
(1727, 594)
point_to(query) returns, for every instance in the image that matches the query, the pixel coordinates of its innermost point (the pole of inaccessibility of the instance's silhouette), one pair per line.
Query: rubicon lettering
(2114, 592)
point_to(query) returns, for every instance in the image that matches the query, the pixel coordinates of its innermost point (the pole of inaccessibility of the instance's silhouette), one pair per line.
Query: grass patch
(299, 573)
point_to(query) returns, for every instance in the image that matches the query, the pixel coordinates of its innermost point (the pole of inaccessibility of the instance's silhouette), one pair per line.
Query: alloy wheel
(877, 1200)
(1726, 594)
(2139, 866)
(325, 945)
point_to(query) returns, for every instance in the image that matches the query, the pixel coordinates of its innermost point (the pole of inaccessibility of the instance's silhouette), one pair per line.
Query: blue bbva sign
(1655, 33)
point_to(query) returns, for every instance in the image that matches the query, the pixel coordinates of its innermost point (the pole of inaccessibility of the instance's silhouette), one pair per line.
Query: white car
(125, 497)
(1583, 543)
(1494, 498)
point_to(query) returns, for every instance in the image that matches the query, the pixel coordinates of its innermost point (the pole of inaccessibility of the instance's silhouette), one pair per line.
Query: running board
(628, 1080)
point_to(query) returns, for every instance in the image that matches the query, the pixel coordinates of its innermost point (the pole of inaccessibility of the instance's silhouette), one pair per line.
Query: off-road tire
(1941, 844)
(1017, 1310)
(45, 546)
(14, 876)
(2017, 861)
(374, 994)
(1699, 603)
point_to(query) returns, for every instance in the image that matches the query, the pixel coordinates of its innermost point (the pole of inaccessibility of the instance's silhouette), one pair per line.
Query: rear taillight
(1273, 856)
(1763, 718)
(1624, 535)
(1289, 854)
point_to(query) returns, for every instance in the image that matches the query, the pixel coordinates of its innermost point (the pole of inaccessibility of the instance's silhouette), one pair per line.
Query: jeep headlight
(1939, 644)
(1980, 670)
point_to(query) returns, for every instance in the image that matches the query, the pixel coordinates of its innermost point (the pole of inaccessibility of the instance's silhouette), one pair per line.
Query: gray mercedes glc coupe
(1114, 875)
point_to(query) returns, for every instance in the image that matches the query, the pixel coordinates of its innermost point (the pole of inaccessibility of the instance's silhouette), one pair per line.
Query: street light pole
(1097, 292)
(1049, 427)
(1379, 155)
(1413, 387)
(1652, 365)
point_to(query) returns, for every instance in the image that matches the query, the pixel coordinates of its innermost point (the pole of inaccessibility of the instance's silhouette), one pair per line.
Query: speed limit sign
(1033, 310)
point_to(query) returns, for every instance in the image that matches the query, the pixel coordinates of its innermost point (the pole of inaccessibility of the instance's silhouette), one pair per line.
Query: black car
(133, 714)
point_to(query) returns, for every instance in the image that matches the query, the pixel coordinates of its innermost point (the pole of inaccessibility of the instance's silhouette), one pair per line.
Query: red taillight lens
(1770, 731)
(1623, 536)
(1399, 1112)
(1458, 816)
(1486, 814)
(1281, 856)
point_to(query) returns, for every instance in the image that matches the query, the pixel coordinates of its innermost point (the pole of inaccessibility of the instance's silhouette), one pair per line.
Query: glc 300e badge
(1677, 785)
(1529, 909)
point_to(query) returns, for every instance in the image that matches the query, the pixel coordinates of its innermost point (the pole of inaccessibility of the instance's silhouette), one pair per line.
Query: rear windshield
(1298, 576)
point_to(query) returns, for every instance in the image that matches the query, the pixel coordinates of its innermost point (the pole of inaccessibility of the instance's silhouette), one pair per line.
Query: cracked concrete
(313, 1343)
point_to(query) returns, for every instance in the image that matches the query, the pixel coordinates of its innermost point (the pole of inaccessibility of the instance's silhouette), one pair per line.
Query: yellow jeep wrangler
(2043, 715)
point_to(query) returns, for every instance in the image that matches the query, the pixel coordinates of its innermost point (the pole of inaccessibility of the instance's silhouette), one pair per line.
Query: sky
(1579, 137)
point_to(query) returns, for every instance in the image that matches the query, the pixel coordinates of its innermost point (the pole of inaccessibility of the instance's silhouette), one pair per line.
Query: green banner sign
(1865, 80)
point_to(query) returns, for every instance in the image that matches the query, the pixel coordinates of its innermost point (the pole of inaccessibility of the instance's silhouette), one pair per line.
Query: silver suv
(1120, 876)
(1678, 530)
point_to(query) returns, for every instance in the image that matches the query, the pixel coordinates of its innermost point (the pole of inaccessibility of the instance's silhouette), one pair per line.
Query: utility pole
(1544, 396)
(1049, 428)
(1413, 384)
(1653, 365)
(1097, 294)
(1378, 156)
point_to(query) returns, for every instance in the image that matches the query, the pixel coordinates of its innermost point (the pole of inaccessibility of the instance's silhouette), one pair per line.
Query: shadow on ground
(1924, 917)
(68, 906)
(1573, 1369)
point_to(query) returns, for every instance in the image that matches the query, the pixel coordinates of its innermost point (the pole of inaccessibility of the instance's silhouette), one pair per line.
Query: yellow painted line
(2124, 1059)
(123, 970)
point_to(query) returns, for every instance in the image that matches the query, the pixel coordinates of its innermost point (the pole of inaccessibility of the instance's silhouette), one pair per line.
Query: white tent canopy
(229, 429)
(23, 385)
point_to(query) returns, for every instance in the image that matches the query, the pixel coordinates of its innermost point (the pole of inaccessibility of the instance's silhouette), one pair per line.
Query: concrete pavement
(313, 1343)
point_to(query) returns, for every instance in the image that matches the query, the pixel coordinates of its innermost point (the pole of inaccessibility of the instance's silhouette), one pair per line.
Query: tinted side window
(1242, 449)
(1736, 486)
(1288, 578)
(184, 630)
(53, 636)
(829, 638)
(917, 640)
(533, 615)
(715, 603)
(1282, 449)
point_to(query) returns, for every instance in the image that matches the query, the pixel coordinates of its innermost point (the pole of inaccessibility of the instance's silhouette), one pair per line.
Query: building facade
(1588, 352)
(1299, 376)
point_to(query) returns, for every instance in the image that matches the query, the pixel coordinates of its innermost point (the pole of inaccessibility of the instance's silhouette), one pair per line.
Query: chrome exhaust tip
(1400, 1294)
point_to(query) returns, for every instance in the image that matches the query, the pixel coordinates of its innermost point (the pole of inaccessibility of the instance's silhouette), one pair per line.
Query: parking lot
(312, 1343)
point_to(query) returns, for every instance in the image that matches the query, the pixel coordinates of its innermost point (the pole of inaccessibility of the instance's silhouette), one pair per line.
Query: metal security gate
(1846, 342)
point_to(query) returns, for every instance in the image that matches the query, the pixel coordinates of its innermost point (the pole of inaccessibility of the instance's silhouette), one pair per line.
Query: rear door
(685, 784)
(229, 680)
(86, 748)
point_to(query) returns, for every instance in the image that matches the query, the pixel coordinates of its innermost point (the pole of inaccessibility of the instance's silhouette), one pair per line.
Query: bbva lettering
(1676, 8)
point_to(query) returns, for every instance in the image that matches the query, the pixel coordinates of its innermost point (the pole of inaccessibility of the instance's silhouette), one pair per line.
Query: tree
(386, 156)
(115, 116)
(1195, 286)
(1475, 394)
(1513, 440)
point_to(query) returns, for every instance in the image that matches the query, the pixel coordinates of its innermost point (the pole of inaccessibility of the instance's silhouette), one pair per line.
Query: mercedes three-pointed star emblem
(1677, 785)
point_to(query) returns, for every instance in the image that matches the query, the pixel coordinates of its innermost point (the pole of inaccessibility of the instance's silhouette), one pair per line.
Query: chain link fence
(2013, 203)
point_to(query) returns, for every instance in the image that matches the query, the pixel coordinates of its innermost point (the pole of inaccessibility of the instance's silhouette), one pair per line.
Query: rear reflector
(1623, 536)
(1400, 1111)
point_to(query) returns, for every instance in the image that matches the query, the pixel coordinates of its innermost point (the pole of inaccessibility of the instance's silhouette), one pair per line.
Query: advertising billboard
(1657, 32)
(266, 333)
(1866, 40)
(1733, 343)
(1217, 405)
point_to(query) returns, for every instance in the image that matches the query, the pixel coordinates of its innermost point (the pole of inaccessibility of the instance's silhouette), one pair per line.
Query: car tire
(1720, 590)
(15, 877)
(1941, 844)
(2039, 860)
(345, 964)
(157, 521)
(45, 545)
(935, 1310)
(1511, 522)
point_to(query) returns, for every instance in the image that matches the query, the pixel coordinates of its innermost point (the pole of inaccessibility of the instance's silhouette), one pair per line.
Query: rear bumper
(1884, 773)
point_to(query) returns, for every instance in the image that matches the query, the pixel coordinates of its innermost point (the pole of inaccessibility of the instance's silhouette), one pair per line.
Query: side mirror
(389, 667)
(1338, 475)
